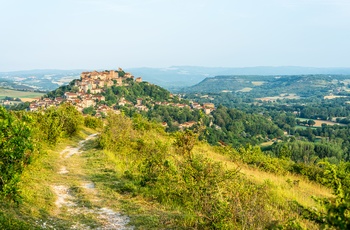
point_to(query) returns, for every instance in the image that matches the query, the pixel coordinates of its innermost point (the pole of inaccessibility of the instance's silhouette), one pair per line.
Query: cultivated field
(318, 123)
(23, 95)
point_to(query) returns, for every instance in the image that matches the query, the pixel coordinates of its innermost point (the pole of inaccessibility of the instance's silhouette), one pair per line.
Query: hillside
(137, 176)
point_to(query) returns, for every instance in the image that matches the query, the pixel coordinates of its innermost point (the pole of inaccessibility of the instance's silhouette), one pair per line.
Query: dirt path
(68, 202)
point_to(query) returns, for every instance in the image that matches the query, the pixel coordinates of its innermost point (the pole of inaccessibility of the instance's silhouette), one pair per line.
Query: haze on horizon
(104, 34)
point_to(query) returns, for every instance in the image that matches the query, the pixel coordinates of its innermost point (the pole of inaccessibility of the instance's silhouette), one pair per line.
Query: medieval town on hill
(89, 90)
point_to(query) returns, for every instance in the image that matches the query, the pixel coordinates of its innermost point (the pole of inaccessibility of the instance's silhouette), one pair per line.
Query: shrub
(93, 122)
(16, 147)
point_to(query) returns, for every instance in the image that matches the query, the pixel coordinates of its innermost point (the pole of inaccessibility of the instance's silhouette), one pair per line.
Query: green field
(19, 94)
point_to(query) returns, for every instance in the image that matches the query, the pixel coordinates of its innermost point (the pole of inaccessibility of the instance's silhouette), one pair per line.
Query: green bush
(93, 122)
(16, 147)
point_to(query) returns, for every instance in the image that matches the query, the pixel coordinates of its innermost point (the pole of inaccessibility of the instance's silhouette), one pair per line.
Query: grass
(302, 192)
(284, 188)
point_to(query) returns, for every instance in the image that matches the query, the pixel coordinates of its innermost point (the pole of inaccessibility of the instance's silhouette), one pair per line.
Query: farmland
(318, 123)
(23, 95)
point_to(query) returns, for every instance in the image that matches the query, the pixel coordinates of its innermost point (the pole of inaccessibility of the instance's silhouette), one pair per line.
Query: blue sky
(105, 34)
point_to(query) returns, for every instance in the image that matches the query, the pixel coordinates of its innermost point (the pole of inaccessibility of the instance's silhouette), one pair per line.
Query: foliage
(16, 147)
(89, 110)
(254, 156)
(207, 195)
(55, 123)
(116, 133)
(93, 122)
(70, 118)
(235, 127)
(336, 212)
(307, 152)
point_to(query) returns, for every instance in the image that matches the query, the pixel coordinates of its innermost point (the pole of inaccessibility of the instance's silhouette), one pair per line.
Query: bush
(93, 122)
(16, 147)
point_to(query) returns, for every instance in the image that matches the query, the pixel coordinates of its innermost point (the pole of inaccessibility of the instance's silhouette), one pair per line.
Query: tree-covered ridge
(273, 85)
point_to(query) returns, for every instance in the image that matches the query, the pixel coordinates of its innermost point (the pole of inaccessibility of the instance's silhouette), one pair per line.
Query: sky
(106, 34)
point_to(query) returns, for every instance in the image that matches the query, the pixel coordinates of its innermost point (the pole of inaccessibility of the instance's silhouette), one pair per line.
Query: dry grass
(302, 191)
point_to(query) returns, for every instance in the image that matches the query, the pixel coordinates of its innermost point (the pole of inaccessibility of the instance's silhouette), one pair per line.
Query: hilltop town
(89, 92)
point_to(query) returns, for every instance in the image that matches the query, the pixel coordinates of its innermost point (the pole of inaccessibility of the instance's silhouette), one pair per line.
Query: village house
(187, 125)
(196, 105)
(59, 100)
(99, 98)
(87, 103)
(70, 96)
(209, 105)
(33, 107)
(123, 102)
(207, 111)
(141, 107)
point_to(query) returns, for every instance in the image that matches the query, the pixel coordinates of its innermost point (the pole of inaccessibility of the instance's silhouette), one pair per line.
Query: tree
(71, 119)
(311, 122)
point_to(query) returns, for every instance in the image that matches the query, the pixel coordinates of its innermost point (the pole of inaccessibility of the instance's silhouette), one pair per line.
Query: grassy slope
(106, 170)
(301, 190)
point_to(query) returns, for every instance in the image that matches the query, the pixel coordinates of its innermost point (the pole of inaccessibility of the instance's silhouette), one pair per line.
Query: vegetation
(16, 149)
(203, 192)
(264, 162)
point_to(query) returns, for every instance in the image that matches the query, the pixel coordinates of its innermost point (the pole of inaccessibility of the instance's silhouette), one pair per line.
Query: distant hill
(272, 85)
(172, 78)
(43, 80)
(176, 77)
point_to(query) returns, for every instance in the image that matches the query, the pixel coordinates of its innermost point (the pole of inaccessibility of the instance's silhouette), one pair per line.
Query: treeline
(309, 152)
